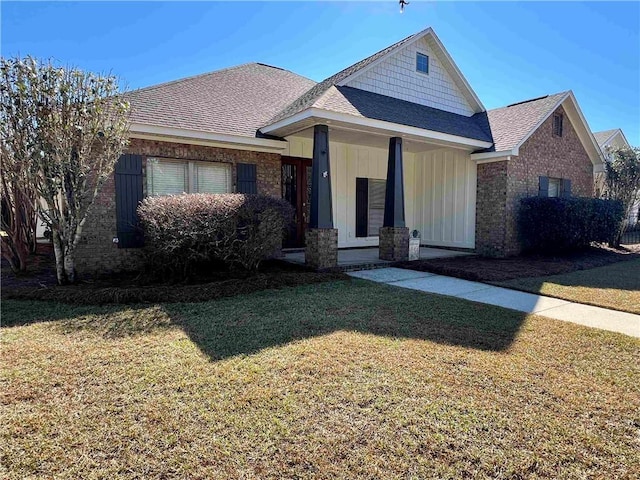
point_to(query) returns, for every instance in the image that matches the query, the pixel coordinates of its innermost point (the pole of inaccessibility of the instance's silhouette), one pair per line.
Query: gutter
(198, 137)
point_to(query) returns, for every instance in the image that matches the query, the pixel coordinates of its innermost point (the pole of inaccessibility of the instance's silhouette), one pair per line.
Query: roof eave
(595, 153)
(314, 116)
(487, 157)
(198, 137)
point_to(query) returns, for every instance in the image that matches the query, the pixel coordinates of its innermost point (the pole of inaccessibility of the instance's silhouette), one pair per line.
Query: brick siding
(97, 252)
(491, 208)
(543, 154)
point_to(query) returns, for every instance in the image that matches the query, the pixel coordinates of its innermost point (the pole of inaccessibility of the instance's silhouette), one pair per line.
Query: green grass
(615, 286)
(337, 380)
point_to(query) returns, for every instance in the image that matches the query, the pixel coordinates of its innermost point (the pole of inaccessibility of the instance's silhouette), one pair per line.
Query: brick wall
(543, 154)
(491, 206)
(98, 253)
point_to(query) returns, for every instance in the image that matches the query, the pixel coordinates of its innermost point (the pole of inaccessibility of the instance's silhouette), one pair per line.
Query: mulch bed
(498, 269)
(39, 283)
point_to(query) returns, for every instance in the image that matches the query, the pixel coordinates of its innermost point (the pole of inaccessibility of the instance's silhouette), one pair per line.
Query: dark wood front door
(296, 189)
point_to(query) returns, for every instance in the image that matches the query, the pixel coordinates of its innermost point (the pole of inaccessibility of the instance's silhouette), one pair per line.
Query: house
(608, 141)
(394, 143)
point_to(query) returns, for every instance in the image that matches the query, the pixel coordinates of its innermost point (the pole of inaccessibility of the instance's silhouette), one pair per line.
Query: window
(173, 177)
(369, 206)
(557, 124)
(555, 187)
(422, 63)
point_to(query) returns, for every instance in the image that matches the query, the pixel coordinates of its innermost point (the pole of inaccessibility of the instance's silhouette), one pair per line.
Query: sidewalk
(590, 316)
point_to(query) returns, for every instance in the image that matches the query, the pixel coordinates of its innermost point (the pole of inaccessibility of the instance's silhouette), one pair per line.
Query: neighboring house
(455, 171)
(608, 141)
(611, 139)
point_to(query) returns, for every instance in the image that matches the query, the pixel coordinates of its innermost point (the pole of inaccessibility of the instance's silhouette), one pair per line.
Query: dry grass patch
(342, 379)
(615, 286)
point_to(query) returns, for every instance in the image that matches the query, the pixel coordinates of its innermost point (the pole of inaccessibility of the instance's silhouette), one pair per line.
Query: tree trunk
(70, 263)
(15, 254)
(59, 250)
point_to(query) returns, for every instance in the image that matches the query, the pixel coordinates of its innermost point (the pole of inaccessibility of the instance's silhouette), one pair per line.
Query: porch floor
(367, 258)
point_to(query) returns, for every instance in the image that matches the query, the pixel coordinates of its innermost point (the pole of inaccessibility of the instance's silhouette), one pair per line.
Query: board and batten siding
(439, 191)
(445, 212)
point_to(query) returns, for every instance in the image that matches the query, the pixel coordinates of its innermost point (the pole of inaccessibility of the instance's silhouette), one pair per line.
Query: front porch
(350, 259)
(373, 188)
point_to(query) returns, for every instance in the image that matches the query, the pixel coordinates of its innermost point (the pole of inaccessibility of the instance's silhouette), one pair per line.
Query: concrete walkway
(595, 317)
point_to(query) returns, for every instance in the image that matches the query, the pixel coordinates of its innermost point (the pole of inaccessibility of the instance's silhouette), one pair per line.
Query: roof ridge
(611, 130)
(191, 77)
(531, 100)
(204, 74)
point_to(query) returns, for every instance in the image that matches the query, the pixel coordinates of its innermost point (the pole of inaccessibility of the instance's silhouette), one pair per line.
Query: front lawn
(342, 379)
(615, 286)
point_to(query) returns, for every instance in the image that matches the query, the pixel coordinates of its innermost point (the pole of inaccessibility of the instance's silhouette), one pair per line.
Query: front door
(296, 189)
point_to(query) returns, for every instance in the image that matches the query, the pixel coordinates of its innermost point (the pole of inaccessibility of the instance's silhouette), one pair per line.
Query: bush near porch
(235, 230)
(560, 224)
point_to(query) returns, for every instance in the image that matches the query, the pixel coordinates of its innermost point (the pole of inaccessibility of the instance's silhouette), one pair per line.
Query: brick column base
(394, 244)
(322, 248)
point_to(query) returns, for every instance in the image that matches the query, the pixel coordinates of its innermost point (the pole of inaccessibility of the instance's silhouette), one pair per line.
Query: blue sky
(508, 51)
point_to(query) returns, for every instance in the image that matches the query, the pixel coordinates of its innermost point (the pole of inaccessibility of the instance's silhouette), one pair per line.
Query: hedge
(560, 224)
(184, 232)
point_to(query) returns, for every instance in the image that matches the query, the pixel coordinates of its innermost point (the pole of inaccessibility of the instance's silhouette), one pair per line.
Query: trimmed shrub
(183, 232)
(560, 224)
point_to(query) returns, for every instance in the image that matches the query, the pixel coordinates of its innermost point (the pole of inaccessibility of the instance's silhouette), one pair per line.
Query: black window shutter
(362, 206)
(543, 186)
(566, 187)
(246, 182)
(128, 178)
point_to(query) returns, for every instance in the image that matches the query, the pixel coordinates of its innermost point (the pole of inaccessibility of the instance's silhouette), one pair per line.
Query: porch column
(394, 235)
(321, 238)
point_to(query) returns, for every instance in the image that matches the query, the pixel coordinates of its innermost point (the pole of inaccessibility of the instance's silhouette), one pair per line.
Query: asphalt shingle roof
(240, 100)
(353, 101)
(234, 101)
(511, 124)
(602, 137)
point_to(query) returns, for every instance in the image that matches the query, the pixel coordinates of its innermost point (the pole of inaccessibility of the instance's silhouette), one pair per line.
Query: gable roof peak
(339, 79)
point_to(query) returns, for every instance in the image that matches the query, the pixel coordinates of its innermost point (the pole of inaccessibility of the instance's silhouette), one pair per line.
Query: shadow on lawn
(247, 324)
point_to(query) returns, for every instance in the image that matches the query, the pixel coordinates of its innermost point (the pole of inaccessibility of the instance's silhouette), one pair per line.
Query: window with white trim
(167, 176)
(422, 63)
(555, 187)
